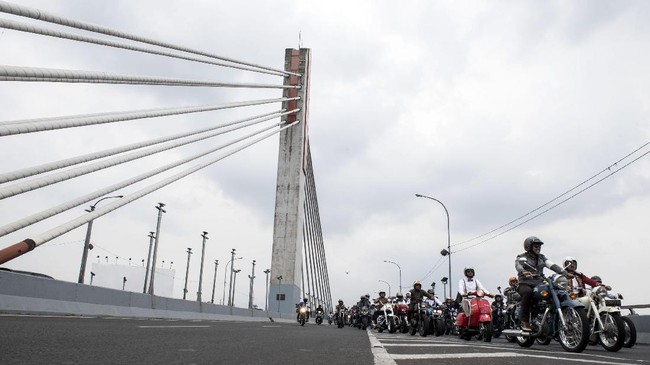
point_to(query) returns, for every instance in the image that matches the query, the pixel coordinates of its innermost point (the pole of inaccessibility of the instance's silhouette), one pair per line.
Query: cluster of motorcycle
(392, 317)
(556, 313)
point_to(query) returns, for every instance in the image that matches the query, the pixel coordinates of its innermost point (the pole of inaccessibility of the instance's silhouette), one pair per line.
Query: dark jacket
(535, 264)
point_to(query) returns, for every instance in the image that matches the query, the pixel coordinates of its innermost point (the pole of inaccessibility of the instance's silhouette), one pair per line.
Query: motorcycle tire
(612, 337)
(486, 329)
(364, 323)
(391, 325)
(630, 333)
(414, 327)
(577, 338)
(439, 327)
(544, 341)
(302, 321)
(524, 341)
(510, 339)
(423, 329)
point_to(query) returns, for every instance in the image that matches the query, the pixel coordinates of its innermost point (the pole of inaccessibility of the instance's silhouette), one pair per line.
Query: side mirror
(522, 260)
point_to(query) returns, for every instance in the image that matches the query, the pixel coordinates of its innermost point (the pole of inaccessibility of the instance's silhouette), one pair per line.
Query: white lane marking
(424, 345)
(271, 326)
(456, 356)
(381, 356)
(173, 326)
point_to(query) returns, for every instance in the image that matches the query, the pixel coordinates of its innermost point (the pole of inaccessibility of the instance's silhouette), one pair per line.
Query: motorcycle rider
(379, 303)
(511, 289)
(399, 298)
(339, 307)
(417, 295)
(303, 303)
(577, 284)
(528, 275)
(469, 284)
(433, 300)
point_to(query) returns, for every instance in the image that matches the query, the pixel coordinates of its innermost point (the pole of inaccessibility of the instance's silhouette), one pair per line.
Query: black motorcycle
(498, 316)
(420, 320)
(553, 314)
(319, 317)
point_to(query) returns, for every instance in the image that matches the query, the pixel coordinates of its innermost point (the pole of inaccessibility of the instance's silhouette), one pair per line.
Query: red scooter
(479, 323)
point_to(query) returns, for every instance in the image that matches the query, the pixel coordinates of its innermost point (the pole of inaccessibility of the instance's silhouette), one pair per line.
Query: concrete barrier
(642, 324)
(24, 293)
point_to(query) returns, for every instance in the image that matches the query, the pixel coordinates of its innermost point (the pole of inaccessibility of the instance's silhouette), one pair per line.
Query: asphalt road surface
(89, 340)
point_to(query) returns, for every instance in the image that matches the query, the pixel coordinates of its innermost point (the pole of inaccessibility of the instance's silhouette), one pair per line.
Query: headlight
(601, 292)
(562, 282)
(303, 310)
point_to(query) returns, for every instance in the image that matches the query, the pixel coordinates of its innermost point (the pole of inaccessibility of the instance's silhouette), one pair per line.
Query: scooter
(479, 322)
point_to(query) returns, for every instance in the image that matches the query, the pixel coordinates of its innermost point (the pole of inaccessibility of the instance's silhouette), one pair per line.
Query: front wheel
(302, 321)
(423, 328)
(630, 333)
(574, 336)
(612, 335)
(391, 325)
(485, 329)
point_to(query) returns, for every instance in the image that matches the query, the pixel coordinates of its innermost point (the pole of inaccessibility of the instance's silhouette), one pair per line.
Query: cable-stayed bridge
(154, 148)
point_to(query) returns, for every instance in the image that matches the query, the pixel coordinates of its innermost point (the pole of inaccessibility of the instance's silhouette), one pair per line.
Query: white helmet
(570, 259)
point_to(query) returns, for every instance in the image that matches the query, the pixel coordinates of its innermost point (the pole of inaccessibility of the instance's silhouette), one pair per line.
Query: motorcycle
(420, 320)
(330, 318)
(436, 320)
(302, 315)
(402, 310)
(607, 326)
(364, 317)
(449, 320)
(630, 328)
(319, 317)
(386, 319)
(340, 318)
(498, 315)
(553, 314)
(479, 323)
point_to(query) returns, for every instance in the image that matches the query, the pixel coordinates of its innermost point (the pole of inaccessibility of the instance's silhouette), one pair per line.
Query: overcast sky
(493, 107)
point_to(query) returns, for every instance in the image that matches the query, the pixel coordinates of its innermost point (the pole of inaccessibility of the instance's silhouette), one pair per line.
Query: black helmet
(597, 279)
(382, 292)
(530, 241)
(305, 300)
(340, 300)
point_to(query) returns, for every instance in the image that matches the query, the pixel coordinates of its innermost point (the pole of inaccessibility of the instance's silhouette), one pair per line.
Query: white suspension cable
(22, 27)
(34, 218)
(12, 127)
(24, 11)
(39, 182)
(40, 74)
(78, 222)
(47, 167)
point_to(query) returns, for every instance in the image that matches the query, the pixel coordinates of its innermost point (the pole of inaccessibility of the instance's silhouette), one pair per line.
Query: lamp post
(198, 294)
(266, 302)
(187, 271)
(84, 254)
(234, 283)
(155, 247)
(250, 290)
(279, 287)
(385, 282)
(400, 274)
(444, 282)
(446, 252)
(214, 280)
(146, 271)
(223, 300)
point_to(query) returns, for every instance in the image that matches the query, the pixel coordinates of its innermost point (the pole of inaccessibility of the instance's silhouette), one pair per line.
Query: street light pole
(448, 251)
(214, 281)
(146, 272)
(250, 290)
(84, 254)
(187, 271)
(385, 282)
(223, 300)
(198, 294)
(232, 268)
(155, 247)
(444, 282)
(400, 274)
(266, 301)
(234, 283)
